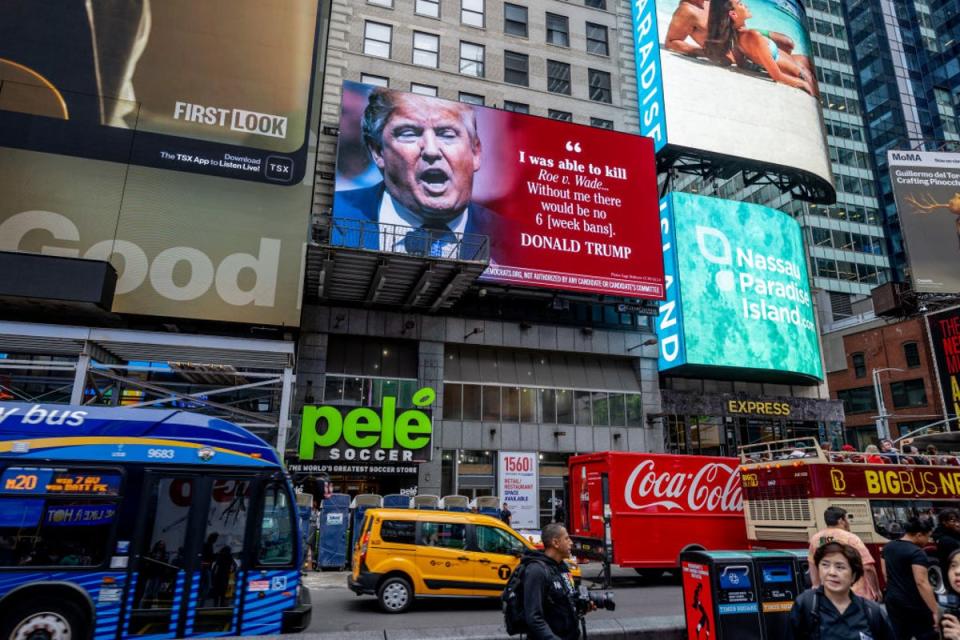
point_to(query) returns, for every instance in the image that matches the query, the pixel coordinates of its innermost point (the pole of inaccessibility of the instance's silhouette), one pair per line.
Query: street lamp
(883, 430)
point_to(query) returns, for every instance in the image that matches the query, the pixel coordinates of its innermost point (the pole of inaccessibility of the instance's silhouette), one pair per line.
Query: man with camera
(549, 596)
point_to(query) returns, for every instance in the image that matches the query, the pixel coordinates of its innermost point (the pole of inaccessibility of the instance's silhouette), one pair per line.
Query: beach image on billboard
(926, 187)
(740, 297)
(548, 204)
(737, 80)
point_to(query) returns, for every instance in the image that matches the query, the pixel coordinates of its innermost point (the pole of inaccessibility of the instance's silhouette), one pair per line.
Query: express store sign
(854, 481)
(687, 487)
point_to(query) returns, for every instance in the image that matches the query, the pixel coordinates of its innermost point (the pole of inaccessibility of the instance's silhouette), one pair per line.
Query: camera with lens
(600, 599)
(949, 603)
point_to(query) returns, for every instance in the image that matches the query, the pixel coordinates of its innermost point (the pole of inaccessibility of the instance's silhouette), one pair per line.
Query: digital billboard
(564, 206)
(738, 294)
(734, 80)
(944, 329)
(170, 138)
(926, 188)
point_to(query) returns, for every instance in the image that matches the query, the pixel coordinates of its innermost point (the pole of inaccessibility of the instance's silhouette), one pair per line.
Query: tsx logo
(910, 157)
(714, 487)
(261, 124)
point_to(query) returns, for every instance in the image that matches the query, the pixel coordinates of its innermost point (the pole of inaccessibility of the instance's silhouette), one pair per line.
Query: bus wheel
(395, 595)
(45, 619)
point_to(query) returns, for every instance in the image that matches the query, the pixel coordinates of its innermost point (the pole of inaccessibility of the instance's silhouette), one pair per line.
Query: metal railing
(404, 240)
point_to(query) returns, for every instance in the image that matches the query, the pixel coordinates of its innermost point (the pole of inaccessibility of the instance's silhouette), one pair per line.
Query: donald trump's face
(428, 156)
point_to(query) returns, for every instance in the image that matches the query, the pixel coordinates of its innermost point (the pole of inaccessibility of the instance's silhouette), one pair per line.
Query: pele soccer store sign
(738, 294)
(363, 438)
(944, 328)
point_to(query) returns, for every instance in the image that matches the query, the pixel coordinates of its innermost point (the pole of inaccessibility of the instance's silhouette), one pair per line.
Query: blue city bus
(142, 523)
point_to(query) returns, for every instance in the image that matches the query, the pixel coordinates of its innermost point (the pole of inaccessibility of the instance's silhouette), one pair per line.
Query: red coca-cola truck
(642, 510)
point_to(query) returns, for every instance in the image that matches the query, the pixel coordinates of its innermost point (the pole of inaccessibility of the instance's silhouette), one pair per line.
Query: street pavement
(336, 608)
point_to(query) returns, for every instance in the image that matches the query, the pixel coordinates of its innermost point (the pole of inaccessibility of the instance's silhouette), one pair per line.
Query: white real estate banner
(517, 485)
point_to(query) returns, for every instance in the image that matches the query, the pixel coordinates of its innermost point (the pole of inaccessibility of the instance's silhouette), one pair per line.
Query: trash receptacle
(779, 587)
(801, 560)
(332, 537)
(719, 596)
(396, 501)
(359, 508)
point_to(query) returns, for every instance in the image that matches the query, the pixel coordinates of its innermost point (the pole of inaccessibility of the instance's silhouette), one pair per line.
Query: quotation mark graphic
(573, 146)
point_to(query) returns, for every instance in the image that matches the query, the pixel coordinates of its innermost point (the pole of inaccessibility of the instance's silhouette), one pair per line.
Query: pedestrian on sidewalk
(950, 622)
(833, 611)
(506, 514)
(910, 600)
(549, 605)
(838, 530)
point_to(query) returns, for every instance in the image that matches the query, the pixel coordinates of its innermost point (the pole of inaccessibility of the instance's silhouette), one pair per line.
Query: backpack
(512, 602)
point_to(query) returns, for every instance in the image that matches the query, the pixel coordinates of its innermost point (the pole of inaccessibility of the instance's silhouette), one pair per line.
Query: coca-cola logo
(714, 487)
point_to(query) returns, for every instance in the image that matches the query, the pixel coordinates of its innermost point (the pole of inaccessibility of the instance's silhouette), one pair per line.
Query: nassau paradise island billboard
(170, 138)
(732, 79)
(738, 293)
(564, 206)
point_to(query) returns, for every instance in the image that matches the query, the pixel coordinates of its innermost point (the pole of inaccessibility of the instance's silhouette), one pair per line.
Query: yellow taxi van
(403, 554)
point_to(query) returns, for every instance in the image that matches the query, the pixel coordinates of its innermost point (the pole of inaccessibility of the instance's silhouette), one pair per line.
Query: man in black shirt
(947, 536)
(548, 590)
(910, 601)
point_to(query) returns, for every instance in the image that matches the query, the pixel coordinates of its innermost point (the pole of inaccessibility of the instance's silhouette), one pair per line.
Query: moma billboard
(926, 187)
(170, 138)
(735, 80)
(564, 206)
(738, 294)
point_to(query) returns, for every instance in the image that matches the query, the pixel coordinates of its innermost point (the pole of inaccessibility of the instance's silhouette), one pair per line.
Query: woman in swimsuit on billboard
(729, 41)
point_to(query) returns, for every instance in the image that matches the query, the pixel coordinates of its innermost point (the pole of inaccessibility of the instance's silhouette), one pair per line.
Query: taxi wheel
(395, 595)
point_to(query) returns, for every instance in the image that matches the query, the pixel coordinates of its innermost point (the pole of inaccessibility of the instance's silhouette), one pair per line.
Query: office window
(423, 89)
(859, 365)
(597, 39)
(600, 86)
(516, 107)
(516, 68)
(601, 123)
(429, 8)
(858, 400)
(471, 13)
(471, 59)
(382, 3)
(911, 352)
(558, 30)
(909, 393)
(471, 98)
(376, 39)
(376, 81)
(596, 4)
(558, 77)
(566, 116)
(426, 49)
(515, 20)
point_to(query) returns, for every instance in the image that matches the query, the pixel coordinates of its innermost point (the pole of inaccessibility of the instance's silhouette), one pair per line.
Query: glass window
(37, 532)
(510, 407)
(565, 406)
(634, 409)
(596, 4)
(471, 402)
(597, 39)
(426, 49)
(423, 89)
(859, 365)
(471, 98)
(376, 81)
(516, 68)
(471, 13)
(515, 20)
(600, 90)
(618, 414)
(381, 3)
(601, 123)
(558, 30)
(452, 407)
(471, 59)
(909, 393)
(430, 8)
(528, 404)
(276, 530)
(491, 403)
(496, 540)
(376, 39)
(517, 107)
(890, 516)
(565, 116)
(447, 535)
(859, 400)
(548, 405)
(911, 353)
(399, 531)
(581, 407)
(601, 409)
(558, 77)
(333, 390)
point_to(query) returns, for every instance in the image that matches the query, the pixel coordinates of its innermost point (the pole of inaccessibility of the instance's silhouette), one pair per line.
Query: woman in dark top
(950, 623)
(832, 611)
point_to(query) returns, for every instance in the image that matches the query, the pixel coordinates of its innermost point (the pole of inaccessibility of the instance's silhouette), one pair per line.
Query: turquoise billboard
(738, 294)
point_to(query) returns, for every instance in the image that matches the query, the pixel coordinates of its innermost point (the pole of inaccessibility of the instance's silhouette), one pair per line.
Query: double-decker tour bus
(141, 523)
(788, 484)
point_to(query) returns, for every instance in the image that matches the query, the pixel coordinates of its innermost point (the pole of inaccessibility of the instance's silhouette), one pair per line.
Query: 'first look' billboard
(732, 79)
(738, 294)
(926, 187)
(564, 206)
(170, 138)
